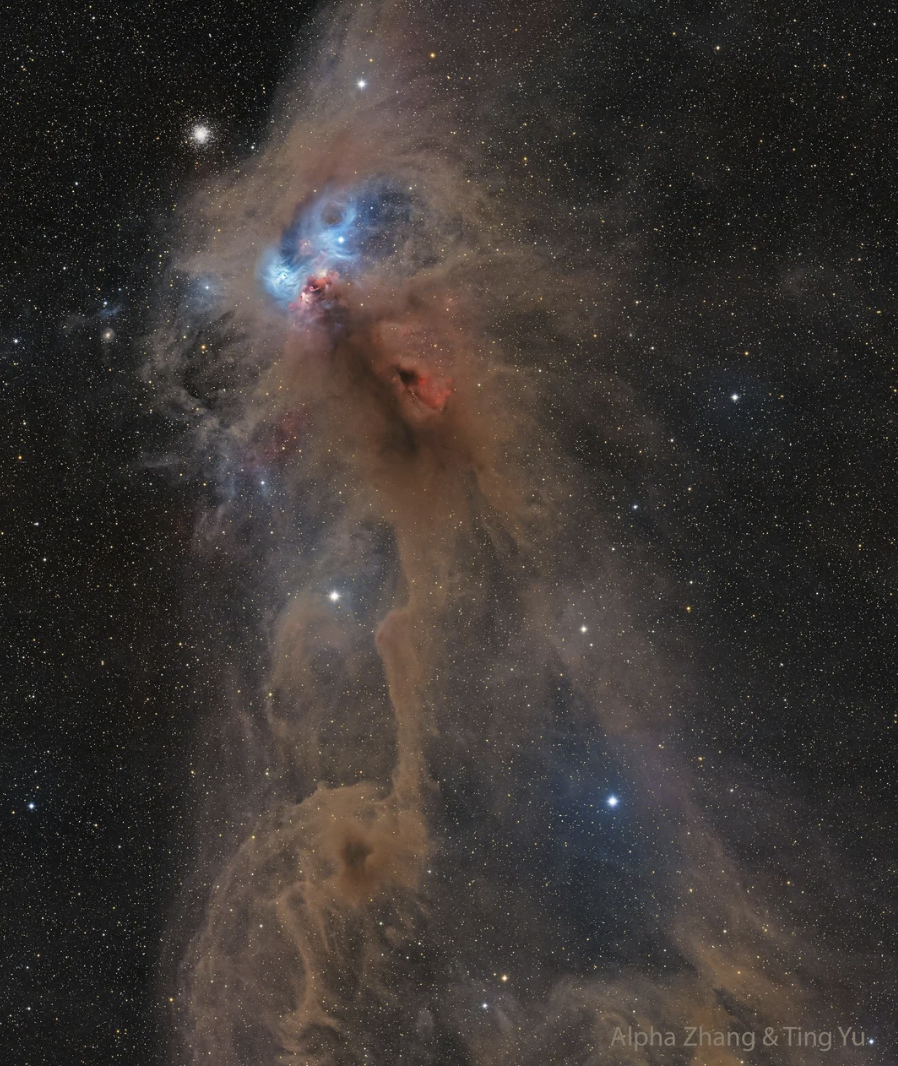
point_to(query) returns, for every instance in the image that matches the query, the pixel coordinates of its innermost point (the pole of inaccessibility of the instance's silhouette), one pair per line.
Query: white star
(735, 397)
(361, 83)
(612, 801)
(333, 596)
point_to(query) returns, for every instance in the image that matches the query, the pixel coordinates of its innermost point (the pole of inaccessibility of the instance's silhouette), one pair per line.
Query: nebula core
(406, 847)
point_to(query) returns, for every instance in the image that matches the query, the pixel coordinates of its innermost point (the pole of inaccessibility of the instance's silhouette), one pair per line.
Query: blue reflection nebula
(341, 231)
(279, 279)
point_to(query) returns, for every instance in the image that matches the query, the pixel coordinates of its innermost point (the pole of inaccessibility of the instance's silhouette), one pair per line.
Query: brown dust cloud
(444, 812)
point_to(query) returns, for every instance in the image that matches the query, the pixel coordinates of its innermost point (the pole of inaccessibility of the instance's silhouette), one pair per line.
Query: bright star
(201, 134)
(612, 801)
(31, 806)
(735, 397)
(361, 83)
(582, 629)
(333, 596)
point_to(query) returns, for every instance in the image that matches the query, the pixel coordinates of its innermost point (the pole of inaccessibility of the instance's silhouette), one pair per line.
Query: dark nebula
(417, 874)
(519, 411)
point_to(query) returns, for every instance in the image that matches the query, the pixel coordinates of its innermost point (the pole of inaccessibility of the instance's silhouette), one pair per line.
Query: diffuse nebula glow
(402, 877)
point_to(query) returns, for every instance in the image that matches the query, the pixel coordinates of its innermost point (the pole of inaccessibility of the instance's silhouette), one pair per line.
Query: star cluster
(727, 401)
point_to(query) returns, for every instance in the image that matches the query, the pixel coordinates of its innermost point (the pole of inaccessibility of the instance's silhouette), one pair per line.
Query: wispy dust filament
(403, 856)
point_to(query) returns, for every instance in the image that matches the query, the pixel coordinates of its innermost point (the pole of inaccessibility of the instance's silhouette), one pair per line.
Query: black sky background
(758, 142)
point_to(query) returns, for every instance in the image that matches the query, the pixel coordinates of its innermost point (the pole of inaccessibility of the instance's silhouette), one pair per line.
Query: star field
(709, 643)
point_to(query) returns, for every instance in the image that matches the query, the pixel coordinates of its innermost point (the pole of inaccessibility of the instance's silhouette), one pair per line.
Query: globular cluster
(448, 534)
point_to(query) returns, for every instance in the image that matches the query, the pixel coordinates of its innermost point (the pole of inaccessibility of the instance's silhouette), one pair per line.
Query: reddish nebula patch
(284, 437)
(431, 390)
(278, 442)
(314, 291)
